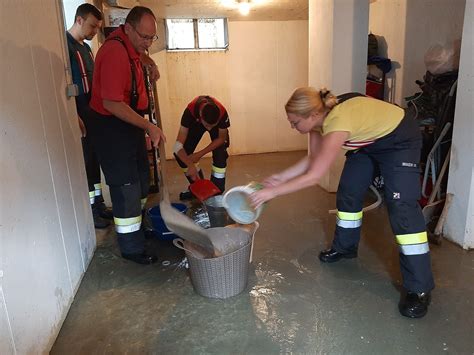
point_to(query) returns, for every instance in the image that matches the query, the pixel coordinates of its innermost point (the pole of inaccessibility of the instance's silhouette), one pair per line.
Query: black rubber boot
(414, 305)
(142, 258)
(186, 195)
(104, 211)
(146, 227)
(99, 222)
(331, 255)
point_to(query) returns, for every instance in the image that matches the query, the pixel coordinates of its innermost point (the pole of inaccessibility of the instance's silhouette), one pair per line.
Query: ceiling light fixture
(228, 3)
(243, 6)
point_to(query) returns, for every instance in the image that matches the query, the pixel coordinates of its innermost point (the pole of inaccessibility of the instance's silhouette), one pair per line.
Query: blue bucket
(159, 225)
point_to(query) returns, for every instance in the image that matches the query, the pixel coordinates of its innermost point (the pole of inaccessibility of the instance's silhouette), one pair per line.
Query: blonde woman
(376, 134)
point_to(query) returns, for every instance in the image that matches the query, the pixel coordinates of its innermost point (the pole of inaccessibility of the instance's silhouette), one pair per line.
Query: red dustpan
(203, 189)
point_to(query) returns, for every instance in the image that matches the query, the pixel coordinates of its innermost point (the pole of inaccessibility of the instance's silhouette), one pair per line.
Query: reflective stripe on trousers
(98, 189)
(349, 219)
(91, 197)
(413, 244)
(185, 169)
(127, 225)
(218, 173)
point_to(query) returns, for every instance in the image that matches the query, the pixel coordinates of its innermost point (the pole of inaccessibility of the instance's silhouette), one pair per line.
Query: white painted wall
(407, 29)
(265, 62)
(460, 223)
(70, 7)
(338, 56)
(338, 44)
(46, 233)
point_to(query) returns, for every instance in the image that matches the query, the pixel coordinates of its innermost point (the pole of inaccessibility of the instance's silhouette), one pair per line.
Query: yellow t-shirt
(366, 119)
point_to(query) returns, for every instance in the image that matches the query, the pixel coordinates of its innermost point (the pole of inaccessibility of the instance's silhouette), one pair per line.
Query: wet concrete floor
(292, 304)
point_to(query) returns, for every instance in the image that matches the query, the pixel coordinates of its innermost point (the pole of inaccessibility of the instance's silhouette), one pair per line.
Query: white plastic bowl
(236, 202)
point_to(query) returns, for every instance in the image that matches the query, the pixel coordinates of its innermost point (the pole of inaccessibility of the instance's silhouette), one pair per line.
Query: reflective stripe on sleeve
(127, 225)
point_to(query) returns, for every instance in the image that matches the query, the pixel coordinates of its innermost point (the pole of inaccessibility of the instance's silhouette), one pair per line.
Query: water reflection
(273, 309)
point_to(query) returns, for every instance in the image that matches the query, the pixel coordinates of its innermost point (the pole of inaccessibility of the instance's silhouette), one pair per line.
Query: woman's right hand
(261, 196)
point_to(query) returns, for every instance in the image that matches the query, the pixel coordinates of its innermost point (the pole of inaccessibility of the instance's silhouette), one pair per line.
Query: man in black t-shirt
(203, 114)
(87, 22)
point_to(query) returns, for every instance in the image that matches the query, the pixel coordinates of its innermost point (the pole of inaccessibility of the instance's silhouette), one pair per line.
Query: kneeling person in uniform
(203, 114)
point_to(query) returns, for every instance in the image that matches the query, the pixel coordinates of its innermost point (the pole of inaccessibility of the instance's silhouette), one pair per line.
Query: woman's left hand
(259, 197)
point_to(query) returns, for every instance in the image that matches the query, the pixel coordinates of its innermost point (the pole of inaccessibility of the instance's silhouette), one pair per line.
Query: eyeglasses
(294, 124)
(145, 37)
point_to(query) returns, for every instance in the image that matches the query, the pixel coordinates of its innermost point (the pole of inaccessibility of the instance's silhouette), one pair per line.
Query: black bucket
(218, 216)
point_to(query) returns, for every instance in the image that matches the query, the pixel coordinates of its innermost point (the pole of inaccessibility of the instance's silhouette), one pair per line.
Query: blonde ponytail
(328, 99)
(305, 100)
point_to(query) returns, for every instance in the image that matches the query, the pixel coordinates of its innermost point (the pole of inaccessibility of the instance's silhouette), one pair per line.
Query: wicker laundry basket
(220, 277)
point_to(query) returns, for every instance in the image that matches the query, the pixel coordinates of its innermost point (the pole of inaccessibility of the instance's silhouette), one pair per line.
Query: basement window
(196, 34)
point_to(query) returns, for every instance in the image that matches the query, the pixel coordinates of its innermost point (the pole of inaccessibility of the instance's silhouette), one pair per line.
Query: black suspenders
(350, 95)
(133, 91)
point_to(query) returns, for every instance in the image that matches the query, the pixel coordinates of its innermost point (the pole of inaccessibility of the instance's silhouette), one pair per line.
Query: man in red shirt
(118, 102)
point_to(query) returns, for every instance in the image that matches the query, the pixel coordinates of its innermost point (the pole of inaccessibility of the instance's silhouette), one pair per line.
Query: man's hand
(82, 127)
(194, 157)
(192, 172)
(154, 72)
(151, 67)
(156, 134)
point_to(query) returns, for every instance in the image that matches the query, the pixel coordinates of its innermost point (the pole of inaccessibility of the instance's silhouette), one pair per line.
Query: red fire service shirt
(112, 74)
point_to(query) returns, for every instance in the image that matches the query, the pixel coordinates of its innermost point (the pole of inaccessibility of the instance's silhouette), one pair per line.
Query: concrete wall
(406, 29)
(265, 62)
(46, 233)
(460, 223)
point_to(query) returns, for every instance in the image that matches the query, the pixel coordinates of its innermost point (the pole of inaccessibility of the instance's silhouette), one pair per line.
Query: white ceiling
(266, 10)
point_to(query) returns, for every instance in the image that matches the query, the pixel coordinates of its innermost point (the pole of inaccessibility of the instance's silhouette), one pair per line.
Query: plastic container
(218, 216)
(158, 224)
(236, 202)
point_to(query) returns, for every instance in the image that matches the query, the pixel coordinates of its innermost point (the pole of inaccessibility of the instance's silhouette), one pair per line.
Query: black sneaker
(104, 211)
(186, 195)
(331, 255)
(142, 258)
(414, 305)
(149, 233)
(100, 223)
